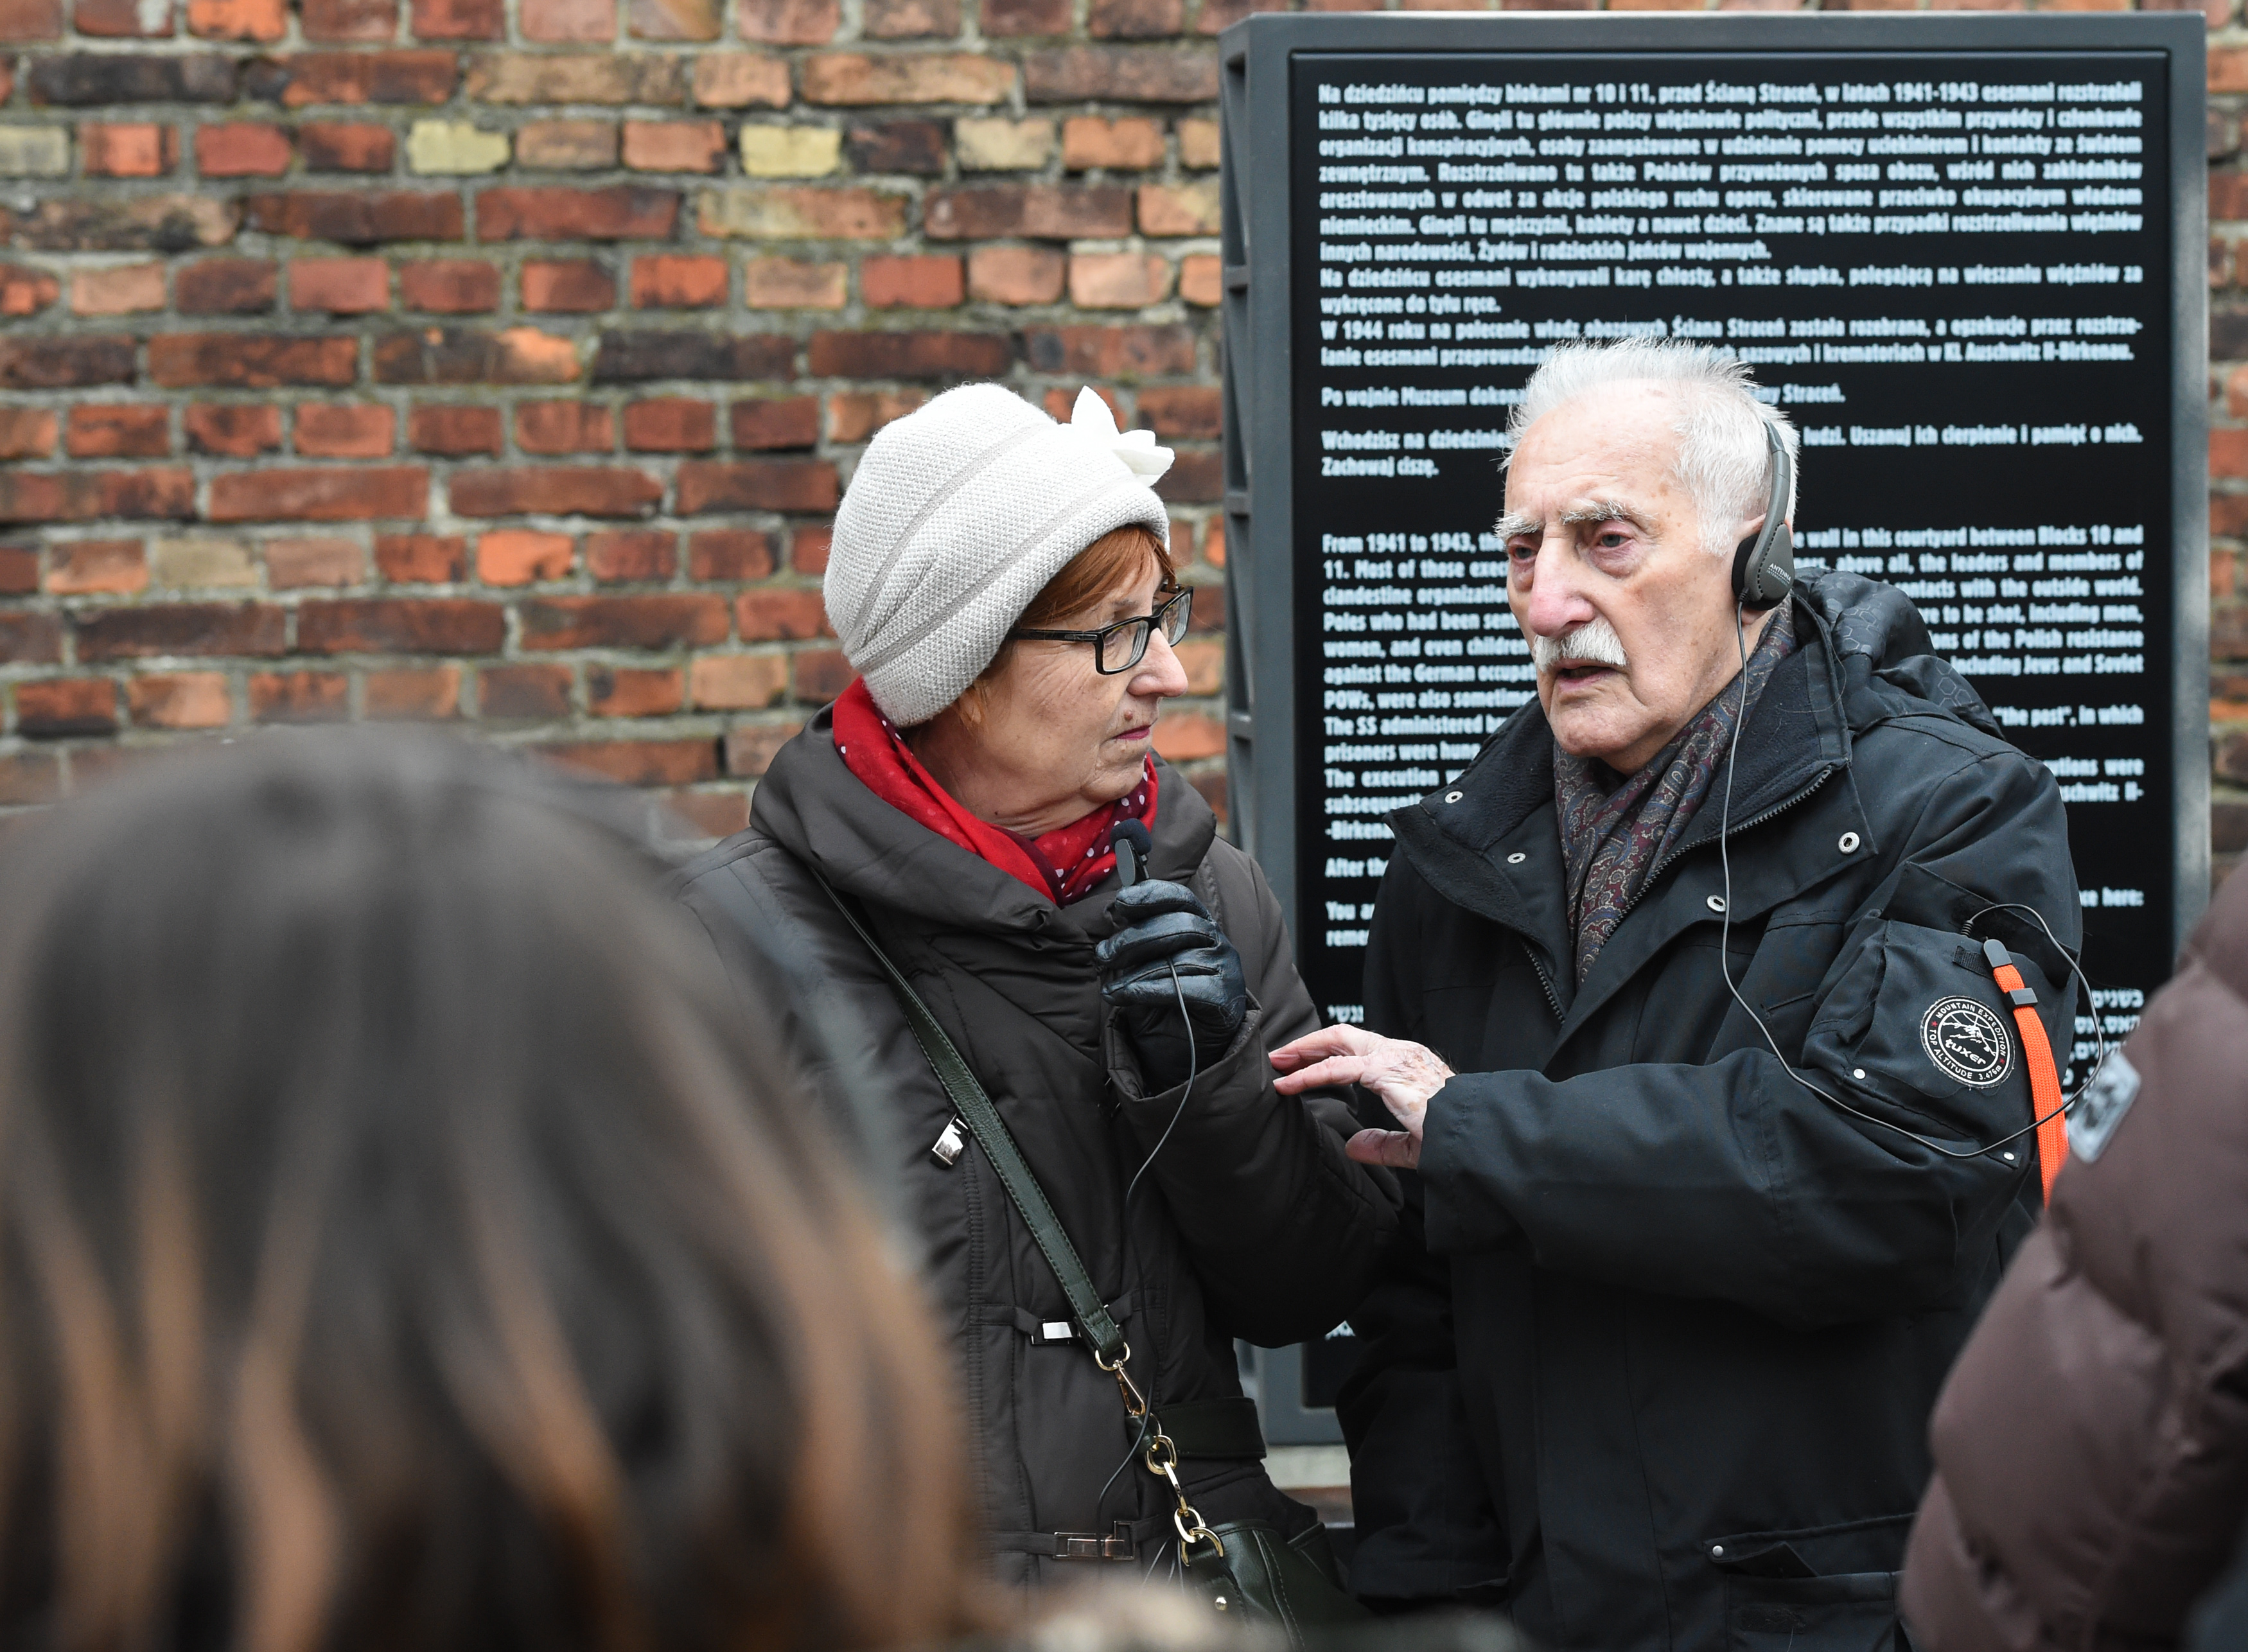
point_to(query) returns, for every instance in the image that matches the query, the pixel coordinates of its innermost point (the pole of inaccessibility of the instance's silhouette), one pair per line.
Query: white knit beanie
(958, 515)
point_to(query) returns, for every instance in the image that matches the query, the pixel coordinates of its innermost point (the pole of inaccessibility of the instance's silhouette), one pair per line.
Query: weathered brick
(429, 696)
(780, 212)
(780, 615)
(114, 431)
(728, 553)
(738, 682)
(1129, 144)
(26, 292)
(577, 287)
(292, 564)
(636, 357)
(566, 145)
(25, 433)
(455, 148)
(34, 152)
(604, 77)
(523, 693)
(593, 491)
(911, 281)
(233, 432)
(916, 147)
(1111, 352)
(614, 556)
(401, 624)
(789, 152)
(460, 19)
(756, 484)
(794, 284)
(1003, 145)
(354, 495)
(1016, 275)
(122, 80)
(61, 708)
(674, 146)
(455, 431)
(339, 286)
(1017, 18)
(201, 562)
(911, 20)
(134, 223)
(328, 431)
(64, 363)
(789, 22)
(1194, 413)
(552, 427)
(1136, 19)
(626, 691)
(356, 219)
(770, 422)
(674, 19)
(623, 212)
(305, 78)
(1196, 476)
(910, 355)
(226, 286)
(180, 699)
(138, 149)
(1198, 143)
(262, 21)
(694, 621)
(96, 567)
(1054, 211)
(818, 675)
(1118, 280)
(299, 696)
(337, 21)
(347, 145)
(1179, 209)
(1120, 74)
(131, 289)
(671, 424)
(471, 355)
(242, 149)
(740, 81)
(425, 558)
(574, 22)
(250, 361)
(30, 639)
(151, 632)
(851, 77)
(639, 762)
(119, 19)
(678, 282)
(750, 750)
(852, 416)
(1202, 279)
(155, 493)
(449, 286)
(522, 556)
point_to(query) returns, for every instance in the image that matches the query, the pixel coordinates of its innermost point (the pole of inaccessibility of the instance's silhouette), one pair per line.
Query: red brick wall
(500, 361)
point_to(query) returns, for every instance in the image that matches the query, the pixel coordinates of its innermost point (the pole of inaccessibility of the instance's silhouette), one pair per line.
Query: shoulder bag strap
(1094, 1321)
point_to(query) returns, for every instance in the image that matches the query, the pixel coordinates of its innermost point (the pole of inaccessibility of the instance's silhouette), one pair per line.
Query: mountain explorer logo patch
(1968, 1041)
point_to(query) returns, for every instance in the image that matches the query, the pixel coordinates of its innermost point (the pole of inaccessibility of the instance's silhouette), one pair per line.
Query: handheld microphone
(1133, 845)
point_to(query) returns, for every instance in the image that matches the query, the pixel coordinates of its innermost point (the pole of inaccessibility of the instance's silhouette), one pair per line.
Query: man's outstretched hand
(1401, 1074)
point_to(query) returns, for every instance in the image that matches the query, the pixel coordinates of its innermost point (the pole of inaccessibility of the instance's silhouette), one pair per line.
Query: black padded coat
(1660, 1374)
(1251, 1222)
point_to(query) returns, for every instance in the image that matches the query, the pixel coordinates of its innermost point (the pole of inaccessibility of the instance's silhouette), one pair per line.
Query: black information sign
(1960, 254)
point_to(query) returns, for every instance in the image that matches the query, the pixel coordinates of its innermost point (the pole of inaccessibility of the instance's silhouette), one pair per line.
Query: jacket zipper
(1782, 807)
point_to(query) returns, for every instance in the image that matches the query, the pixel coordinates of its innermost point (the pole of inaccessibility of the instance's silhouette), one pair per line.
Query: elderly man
(1679, 999)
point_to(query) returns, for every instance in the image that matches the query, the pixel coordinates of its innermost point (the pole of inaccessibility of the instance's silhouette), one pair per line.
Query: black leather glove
(1161, 927)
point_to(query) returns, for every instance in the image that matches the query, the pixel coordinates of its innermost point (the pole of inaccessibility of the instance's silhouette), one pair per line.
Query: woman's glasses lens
(1125, 644)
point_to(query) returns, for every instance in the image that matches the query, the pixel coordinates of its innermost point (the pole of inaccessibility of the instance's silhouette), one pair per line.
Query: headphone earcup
(1764, 568)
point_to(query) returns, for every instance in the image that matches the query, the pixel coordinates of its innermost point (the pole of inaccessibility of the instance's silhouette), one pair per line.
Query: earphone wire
(1725, 953)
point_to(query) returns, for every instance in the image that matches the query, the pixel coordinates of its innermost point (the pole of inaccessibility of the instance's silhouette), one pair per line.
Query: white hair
(1723, 459)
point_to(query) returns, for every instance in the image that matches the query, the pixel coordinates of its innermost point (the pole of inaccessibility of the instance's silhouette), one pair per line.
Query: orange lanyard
(2045, 1102)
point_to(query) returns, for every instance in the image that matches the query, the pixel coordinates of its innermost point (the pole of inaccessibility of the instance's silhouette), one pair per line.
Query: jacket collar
(812, 805)
(1490, 841)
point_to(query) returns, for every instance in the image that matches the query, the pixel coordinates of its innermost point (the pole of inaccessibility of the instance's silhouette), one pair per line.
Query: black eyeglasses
(1119, 646)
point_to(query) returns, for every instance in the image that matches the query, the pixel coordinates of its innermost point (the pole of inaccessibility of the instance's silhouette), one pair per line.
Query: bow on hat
(1135, 450)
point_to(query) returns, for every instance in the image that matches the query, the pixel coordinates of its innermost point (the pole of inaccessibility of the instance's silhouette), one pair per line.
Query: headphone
(1763, 564)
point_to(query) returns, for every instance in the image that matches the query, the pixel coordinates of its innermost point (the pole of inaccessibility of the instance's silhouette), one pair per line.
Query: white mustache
(1593, 642)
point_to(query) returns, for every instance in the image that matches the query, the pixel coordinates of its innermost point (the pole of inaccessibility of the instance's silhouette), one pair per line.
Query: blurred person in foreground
(1003, 585)
(1658, 1374)
(405, 1242)
(2091, 1443)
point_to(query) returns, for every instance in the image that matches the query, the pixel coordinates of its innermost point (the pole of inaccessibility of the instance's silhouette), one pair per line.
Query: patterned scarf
(1612, 836)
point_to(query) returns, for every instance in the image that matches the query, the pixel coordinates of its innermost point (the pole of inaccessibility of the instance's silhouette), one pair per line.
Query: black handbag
(1243, 1567)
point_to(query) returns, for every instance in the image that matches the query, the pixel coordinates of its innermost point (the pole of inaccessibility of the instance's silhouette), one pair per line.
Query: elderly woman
(1003, 584)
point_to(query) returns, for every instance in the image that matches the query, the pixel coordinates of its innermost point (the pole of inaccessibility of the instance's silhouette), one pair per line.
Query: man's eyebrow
(1605, 510)
(1514, 521)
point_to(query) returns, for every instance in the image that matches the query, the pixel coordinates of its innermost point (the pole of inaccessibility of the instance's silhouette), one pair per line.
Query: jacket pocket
(1917, 1018)
(1820, 1589)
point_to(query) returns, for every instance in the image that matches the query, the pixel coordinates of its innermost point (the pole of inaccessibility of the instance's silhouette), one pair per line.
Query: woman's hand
(1403, 1074)
(1173, 980)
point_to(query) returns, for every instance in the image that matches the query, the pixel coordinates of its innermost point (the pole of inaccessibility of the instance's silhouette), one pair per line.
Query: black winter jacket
(1251, 1222)
(1660, 1373)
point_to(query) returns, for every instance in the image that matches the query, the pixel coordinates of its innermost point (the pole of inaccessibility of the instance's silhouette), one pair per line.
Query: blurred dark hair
(407, 1241)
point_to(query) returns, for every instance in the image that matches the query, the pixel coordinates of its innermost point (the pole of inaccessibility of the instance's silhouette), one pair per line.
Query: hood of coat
(1862, 654)
(812, 805)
